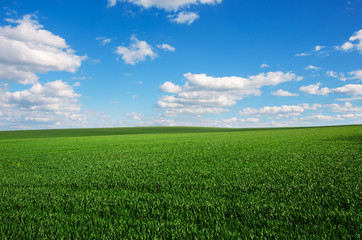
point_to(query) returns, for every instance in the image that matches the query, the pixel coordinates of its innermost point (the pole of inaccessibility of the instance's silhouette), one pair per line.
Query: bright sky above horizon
(219, 63)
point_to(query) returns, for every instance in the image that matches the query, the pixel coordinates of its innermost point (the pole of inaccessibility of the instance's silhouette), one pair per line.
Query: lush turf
(181, 183)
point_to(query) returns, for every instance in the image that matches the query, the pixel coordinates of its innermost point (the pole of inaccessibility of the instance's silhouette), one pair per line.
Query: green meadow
(181, 183)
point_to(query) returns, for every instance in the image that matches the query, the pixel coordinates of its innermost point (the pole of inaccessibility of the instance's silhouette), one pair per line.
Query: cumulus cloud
(169, 5)
(279, 111)
(354, 43)
(184, 17)
(351, 116)
(161, 121)
(136, 52)
(264, 65)
(344, 112)
(314, 106)
(240, 120)
(202, 94)
(169, 87)
(27, 49)
(166, 47)
(51, 103)
(314, 89)
(311, 67)
(344, 108)
(282, 93)
(320, 118)
(352, 89)
(134, 116)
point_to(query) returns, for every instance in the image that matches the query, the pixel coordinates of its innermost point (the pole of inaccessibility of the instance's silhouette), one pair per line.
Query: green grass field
(181, 183)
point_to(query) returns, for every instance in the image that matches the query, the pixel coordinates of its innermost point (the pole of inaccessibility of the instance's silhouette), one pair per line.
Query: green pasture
(181, 183)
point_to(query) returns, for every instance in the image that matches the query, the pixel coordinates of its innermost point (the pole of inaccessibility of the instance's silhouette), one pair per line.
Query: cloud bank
(202, 94)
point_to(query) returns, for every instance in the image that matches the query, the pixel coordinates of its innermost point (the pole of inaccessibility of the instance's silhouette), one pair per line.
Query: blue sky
(221, 63)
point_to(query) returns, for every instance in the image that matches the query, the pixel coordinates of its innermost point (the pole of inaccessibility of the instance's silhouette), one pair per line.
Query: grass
(181, 183)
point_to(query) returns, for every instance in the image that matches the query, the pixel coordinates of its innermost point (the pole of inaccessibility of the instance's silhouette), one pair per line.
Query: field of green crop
(181, 183)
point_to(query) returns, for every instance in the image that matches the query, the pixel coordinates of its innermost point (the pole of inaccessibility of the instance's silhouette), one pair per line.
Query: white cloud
(51, 103)
(302, 54)
(137, 51)
(134, 116)
(81, 78)
(264, 65)
(346, 46)
(166, 47)
(161, 122)
(320, 118)
(346, 111)
(354, 43)
(311, 67)
(202, 94)
(27, 49)
(184, 17)
(282, 111)
(314, 89)
(342, 77)
(169, 5)
(352, 89)
(344, 108)
(332, 74)
(351, 116)
(103, 40)
(349, 99)
(241, 120)
(318, 48)
(111, 3)
(282, 93)
(169, 87)
(356, 74)
(314, 106)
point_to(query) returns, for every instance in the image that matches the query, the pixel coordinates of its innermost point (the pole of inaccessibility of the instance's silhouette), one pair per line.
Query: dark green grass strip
(284, 184)
(86, 132)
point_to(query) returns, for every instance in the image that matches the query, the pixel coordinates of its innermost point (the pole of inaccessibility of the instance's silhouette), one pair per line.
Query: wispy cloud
(311, 67)
(282, 93)
(103, 40)
(302, 54)
(166, 47)
(184, 17)
(134, 116)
